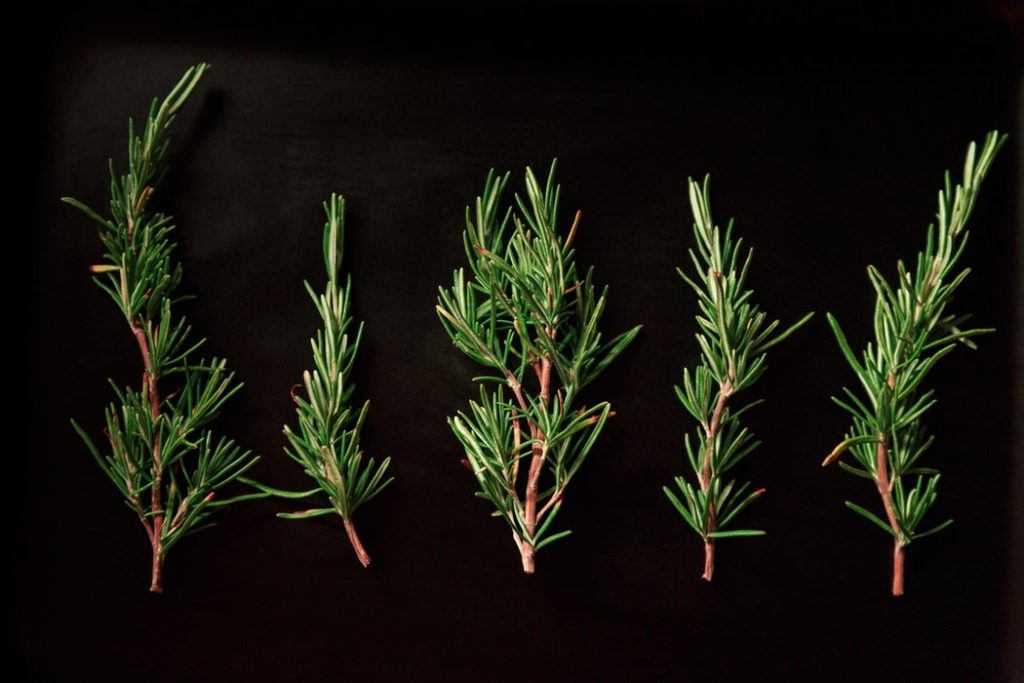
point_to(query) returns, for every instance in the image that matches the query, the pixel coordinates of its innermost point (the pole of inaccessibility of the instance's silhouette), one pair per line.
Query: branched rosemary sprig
(327, 443)
(161, 457)
(530, 319)
(912, 332)
(733, 339)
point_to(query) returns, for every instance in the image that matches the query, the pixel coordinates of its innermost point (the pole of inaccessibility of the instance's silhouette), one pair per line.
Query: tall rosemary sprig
(530, 319)
(159, 454)
(327, 443)
(912, 332)
(733, 339)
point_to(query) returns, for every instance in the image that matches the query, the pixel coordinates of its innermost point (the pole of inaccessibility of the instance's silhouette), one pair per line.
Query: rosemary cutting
(912, 332)
(528, 317)
(165, 462)
(733, 339)
(327, 442)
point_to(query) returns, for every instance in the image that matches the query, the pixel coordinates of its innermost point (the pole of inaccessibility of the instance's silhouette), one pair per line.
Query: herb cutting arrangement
(160, 454)
(733, 339)
(527, 315)
(913, 330)
(529, 318)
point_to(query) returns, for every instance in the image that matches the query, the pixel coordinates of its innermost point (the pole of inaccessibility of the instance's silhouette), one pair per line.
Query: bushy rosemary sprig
(159, 453)
(912, 332)
(530, 319)
(733, 339)
(327, 442)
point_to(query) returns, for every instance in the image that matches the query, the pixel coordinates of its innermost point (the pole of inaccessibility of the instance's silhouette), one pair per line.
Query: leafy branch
(159, 453)
(327, 442)
(532, 321)
(912, 332)
(733, 339)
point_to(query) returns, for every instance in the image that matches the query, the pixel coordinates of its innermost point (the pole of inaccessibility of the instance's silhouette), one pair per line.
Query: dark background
(826, 133)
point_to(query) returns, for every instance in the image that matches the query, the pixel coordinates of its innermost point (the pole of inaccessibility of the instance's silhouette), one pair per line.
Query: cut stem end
(898, 551)
(156, 584)
(709, 558)
(528, 552)
(357, 545)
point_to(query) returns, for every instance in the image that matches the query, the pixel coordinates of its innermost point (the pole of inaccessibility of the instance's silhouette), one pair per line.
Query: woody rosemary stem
(357, 545)
(539, 455)
(885, 490)
(724, 392)
(897, 567)
(149, 388)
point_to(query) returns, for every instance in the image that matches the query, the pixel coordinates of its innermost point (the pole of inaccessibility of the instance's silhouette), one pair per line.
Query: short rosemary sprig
(912, 332)
(327, 442)
(733, 339)
(530, 319)
(160, 455)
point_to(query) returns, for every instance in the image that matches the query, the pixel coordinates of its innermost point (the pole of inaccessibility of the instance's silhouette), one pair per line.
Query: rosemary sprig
(528, 317)
(733, 339)
(327, 442)
(165, 462)
(912, 332)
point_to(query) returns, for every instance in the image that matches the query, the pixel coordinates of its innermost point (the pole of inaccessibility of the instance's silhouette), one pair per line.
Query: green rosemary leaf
(855, 470)
(683, 510)
(870, 516)
(277, 493)
(933, 530)
(306, 514)
(553, 537)
(735, 533)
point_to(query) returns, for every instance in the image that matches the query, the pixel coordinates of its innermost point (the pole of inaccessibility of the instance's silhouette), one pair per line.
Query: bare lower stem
(709, 558)
(884, 484)
(149, 386)
(156, 584)
(724, 392)
(357, 545)
(527, 551)
(897, 567)
(539, 455)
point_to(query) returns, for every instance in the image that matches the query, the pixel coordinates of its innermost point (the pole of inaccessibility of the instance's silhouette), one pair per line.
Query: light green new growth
(733, 341)
(166, 464)
(327, 443)
(528, 317)
(912, 332)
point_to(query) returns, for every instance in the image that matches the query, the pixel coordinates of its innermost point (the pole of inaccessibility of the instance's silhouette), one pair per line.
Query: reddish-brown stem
(530, 515)
(884, 485)
(555, 498)
(357, 545)
(156, 581)
(528, 553)
(709, 558)
(898, 550)
(545, 379)
(724, 392)
(149, 379)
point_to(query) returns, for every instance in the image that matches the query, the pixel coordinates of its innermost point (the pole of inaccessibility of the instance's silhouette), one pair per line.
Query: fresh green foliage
(733, 339)
(160, 454)
(913, 330)
(327, 442)
(532, 321)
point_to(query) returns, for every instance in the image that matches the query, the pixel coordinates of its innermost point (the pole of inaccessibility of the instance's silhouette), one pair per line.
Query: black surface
(826, 136)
